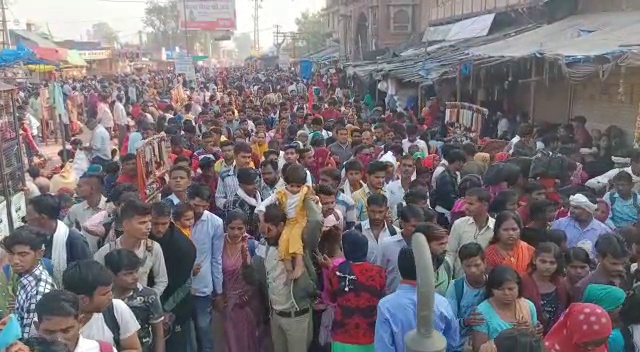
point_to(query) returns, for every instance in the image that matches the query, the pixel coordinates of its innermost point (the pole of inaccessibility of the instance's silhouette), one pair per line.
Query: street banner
(207, 15)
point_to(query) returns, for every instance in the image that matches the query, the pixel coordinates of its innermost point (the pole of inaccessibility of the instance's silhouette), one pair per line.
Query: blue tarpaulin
(22, 54)
(306, 69)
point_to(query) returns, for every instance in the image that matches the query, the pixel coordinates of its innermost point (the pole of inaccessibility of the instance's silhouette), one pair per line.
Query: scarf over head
(580, 201)
(608, 297)
(355, 247)
(607, 208)
(484, 158)
(502, 156)
(581, 323)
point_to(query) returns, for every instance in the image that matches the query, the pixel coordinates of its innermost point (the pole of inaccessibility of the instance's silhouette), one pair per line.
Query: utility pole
(186, 27)
(278, 39)
(294, 38)
(256, 25)
(5, 30)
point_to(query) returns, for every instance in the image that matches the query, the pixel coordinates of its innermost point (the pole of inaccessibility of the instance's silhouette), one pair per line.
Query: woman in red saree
(506, 248)
(321, 156)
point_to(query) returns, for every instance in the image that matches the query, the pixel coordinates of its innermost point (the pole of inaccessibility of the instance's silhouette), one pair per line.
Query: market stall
(12, 169)
(153, 165)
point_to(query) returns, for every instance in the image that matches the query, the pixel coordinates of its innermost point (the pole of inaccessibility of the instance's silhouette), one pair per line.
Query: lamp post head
(424, 338)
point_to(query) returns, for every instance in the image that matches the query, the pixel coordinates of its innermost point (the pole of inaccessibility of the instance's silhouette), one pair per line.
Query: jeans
(99, 161)
(182, 338)
(202, 316)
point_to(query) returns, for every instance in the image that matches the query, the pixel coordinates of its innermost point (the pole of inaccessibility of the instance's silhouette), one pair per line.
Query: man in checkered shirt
(26, 268)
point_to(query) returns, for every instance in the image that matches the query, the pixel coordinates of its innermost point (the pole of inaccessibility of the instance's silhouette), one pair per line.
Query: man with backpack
(58, 314)
(103, 318)
(623, 201)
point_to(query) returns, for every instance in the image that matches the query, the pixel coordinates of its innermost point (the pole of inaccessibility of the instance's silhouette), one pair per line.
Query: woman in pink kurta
(244, 314)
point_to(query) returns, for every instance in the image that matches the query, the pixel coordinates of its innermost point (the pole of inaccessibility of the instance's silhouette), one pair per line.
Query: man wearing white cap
(580, 226)
(602, 182)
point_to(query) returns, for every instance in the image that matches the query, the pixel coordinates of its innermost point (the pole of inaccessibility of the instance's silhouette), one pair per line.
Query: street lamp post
(424, 338)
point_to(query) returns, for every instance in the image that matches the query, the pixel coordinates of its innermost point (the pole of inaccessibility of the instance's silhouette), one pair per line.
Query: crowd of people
(288, 213)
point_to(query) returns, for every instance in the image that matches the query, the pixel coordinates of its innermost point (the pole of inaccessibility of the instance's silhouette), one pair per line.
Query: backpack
(109, 316)
(500, 172)
(551, 165)
(391, 229)
(458, 288)
(634, 198)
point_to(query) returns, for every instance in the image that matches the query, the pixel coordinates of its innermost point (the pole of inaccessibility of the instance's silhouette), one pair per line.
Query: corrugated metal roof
(438, 61)
(31, 36)
(573, 37)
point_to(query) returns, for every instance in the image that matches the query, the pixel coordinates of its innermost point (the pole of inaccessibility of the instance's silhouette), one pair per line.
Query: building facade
(362, 26)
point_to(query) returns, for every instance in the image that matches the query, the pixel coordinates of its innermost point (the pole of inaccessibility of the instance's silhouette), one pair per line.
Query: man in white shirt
(105, 319)
(58, 319)
(120, 116)
(100, 144)
(602, 182)
(412, 139)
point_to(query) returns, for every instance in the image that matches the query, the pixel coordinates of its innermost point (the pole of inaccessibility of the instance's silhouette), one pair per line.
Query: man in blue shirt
(580, 226)
(208, 236)
(623, 201)
(397, 312)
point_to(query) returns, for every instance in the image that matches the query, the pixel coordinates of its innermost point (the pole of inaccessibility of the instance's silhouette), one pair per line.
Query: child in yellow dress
(291, 201)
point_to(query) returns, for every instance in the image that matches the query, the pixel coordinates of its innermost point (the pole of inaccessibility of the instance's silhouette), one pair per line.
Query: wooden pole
(532, 91)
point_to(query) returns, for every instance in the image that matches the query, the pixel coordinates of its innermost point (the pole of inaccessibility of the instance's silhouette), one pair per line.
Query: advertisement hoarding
(207, 15)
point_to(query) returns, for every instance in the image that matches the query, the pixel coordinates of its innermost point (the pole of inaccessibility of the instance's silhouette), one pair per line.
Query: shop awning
(470, 28)
(49, 54)
(325, 54)
(74, 59)
(573, 38)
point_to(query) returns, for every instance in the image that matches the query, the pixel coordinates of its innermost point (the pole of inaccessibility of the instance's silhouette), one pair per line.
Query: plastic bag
(80, 164)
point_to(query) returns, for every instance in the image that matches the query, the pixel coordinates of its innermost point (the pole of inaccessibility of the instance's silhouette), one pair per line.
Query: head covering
(368, 101)
(581, 323)
(417, 155)
(10, 332)
(608, 297)
(431, 161)
(580, 201)
(355, 247)
(484, 158)
(502, 156)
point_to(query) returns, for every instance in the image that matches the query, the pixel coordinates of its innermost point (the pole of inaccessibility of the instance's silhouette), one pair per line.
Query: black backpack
(112, 323)
(500, 172)
(551, 165)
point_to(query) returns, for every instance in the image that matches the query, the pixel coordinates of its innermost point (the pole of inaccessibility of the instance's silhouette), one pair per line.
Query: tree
(103, 32)
(243, 43)
(162, 20)
(313, 32)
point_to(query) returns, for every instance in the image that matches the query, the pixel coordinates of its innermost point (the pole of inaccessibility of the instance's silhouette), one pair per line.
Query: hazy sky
(70, 19)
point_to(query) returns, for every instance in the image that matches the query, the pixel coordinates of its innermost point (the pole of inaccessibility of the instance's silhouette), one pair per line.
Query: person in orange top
(129, 171)
(178, 149)
(505, 247)
(183, 217)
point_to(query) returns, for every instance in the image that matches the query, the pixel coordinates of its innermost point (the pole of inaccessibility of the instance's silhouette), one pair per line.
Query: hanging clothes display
(469, 117)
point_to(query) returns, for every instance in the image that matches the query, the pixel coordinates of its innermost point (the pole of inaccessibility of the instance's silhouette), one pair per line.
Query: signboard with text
(183, 63)
(207, 15)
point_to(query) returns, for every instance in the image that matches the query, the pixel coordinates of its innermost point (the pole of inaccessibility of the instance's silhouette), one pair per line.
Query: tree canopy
(161, 19)
(313, 32)
(103, 32)
(243, 43)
